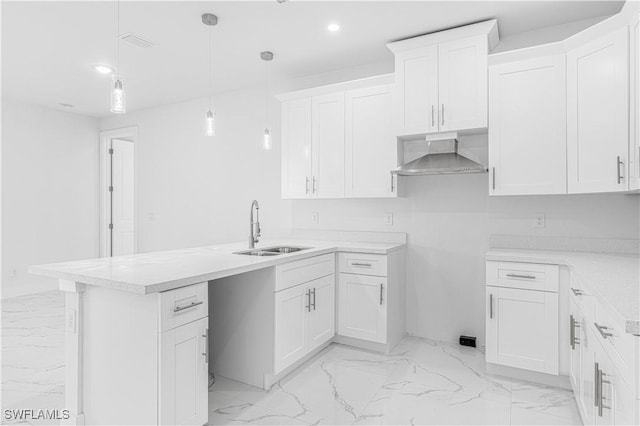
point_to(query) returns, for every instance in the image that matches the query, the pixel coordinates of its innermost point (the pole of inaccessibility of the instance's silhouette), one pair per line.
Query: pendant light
(267, 57)
(118, 95)
(210, 20)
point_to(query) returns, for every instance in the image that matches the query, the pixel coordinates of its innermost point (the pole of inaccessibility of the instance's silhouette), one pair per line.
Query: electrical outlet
(151, 217)
(539, 220)
(14, 273)
(315, 217)
(388, 218)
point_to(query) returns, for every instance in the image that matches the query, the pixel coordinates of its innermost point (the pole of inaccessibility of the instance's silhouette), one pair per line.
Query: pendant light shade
(267, 57)
(210, 20)
(118, 95)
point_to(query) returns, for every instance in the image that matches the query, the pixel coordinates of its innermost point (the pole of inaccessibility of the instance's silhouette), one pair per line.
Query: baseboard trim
(559, 381)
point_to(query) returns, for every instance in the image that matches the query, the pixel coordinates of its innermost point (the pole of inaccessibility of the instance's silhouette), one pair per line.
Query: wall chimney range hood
(441, 162)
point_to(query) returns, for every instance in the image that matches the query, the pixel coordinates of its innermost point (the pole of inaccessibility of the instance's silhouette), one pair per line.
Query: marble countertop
(166, 270)
(613, 278)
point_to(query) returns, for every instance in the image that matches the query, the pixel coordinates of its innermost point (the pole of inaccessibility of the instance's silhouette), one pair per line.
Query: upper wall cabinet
(441, 80)
(337, 141)
(598, 114)
(296, 148)
(527, 126)
(370, 145)
(634, 146)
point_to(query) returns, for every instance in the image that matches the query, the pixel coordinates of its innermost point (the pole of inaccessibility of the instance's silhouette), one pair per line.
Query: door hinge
(110, 226)
(111, 189)
(110, 151)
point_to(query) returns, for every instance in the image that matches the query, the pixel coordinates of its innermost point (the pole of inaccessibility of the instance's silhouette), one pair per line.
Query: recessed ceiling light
(333, 27)
(103, 69)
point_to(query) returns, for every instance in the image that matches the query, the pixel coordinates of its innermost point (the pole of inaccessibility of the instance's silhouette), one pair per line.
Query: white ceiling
(48, 47)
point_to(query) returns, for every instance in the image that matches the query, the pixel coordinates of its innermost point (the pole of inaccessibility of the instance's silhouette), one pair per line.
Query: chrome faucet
(254, 226)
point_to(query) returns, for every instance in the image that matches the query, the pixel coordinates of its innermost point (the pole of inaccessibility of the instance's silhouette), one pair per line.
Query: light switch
(315, 217)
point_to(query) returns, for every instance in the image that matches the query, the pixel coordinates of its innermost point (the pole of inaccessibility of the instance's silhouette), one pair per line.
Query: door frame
(129, 134)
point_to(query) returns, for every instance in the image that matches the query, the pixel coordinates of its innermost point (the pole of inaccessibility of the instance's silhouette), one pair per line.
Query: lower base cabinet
(304, 320)
(362, 307)
(184, 364)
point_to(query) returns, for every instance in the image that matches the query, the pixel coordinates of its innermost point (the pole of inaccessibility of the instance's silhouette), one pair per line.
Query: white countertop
(613, 278)
(166, 270)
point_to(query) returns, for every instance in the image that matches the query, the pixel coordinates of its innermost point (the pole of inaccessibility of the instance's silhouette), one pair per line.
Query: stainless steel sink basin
(271, 251)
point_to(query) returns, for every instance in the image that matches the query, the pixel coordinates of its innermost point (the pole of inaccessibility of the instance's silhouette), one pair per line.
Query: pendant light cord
(209, 67)
(266, 94)
(118, 39)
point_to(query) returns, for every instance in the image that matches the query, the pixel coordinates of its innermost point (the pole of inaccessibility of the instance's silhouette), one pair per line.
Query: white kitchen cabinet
(184, 361)
(296, 148)
(522, 329)
(522, 316)
(527, 126)
(291, 326)
(327, 147)
(462, 71)
(598, 114)
(634, 145)
(305, 320)
(371, 150)
(441, 80)
(362, 309)
(322, 313)
(416, 104)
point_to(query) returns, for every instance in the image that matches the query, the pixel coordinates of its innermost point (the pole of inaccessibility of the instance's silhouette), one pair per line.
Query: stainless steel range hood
(437, 163)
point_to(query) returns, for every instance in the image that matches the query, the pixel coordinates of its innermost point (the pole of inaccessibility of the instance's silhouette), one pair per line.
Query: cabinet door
(634, 146)
(362, 307)
(371, 150)
(576, 356)
(491, 324)
(587, 377)
(321, 319)
(598, 115)
(416, 100)
(328, 146)
(526, 322)
(462, 70)
(296, 148)
(184, 374)
(527, 127)
(292, 307)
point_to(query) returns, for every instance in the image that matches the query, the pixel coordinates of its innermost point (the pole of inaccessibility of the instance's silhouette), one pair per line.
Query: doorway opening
(118, 193)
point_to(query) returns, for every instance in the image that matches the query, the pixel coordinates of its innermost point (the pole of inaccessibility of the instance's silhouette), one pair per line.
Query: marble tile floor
(421, 382)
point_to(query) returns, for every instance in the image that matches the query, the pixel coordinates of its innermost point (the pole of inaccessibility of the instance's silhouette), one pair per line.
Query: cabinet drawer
(183, 305)
(305, 270)
(364, 264)
(526, 276)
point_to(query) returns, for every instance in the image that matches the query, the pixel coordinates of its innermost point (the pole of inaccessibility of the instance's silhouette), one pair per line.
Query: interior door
(362, 310)
(296, 148)
(598, 114)
(462, 90)
(527, 127)
(292, 308)
(122, 195)
(184, 374)
(322, 316)
(416, 103)
(328, 146)
(371, 151)
(527, 328)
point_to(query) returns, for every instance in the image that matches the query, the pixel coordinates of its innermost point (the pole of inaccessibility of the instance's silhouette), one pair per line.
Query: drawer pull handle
(601, 329)
(192, 305)
(527, 277)
(366, 265)
(577, 292)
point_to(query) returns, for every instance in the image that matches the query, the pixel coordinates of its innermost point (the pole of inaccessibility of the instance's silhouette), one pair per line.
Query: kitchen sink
(271, 251)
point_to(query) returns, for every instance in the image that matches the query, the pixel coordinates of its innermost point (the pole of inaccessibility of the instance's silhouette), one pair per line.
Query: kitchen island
(139, 349)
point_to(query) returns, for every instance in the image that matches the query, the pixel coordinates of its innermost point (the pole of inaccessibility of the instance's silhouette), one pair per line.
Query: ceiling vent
(136, 40)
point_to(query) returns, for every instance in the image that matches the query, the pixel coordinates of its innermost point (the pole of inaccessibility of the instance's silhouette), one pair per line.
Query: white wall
(194, 190)
(449, 220)
(49, 192)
